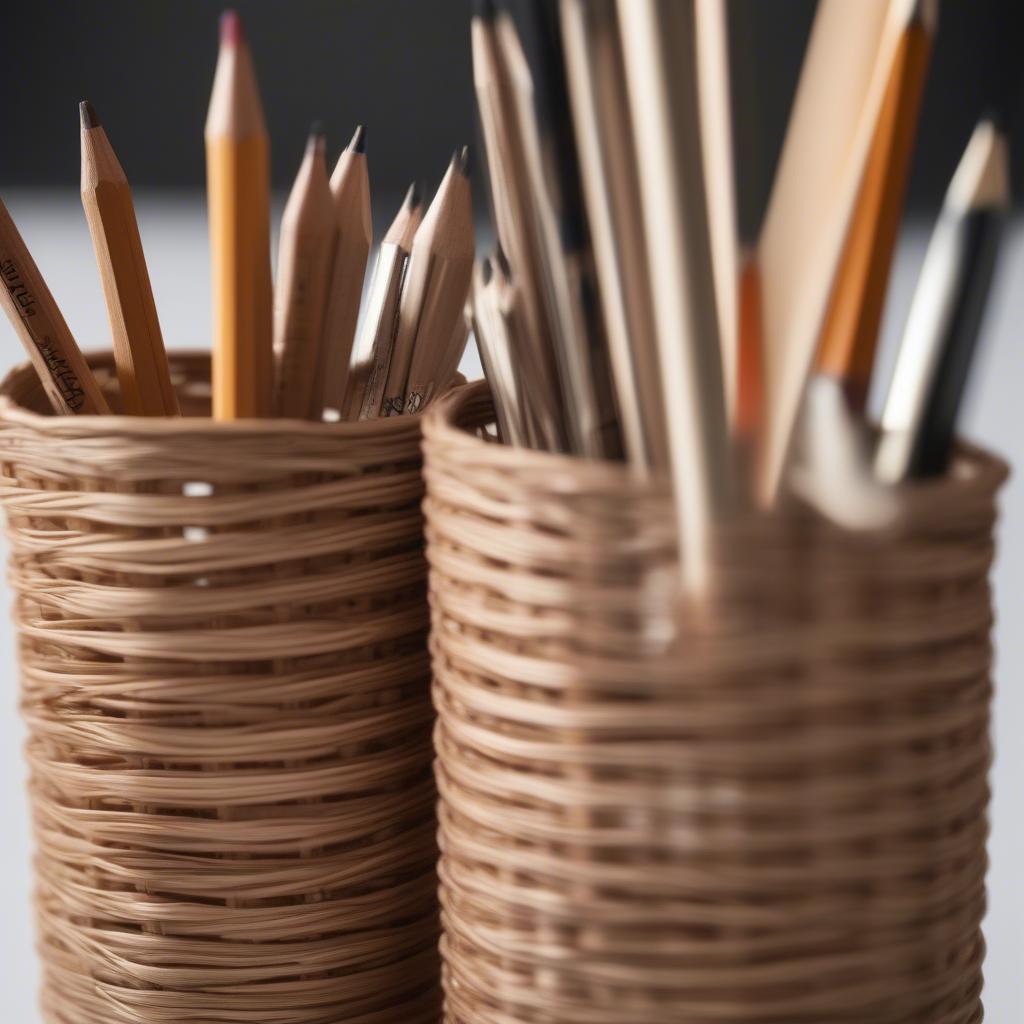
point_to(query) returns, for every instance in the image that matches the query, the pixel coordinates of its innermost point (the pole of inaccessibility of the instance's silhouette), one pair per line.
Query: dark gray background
(403, 68)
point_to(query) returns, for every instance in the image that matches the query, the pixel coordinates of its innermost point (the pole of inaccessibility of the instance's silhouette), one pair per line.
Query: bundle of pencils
(279, 349)
(621, 312)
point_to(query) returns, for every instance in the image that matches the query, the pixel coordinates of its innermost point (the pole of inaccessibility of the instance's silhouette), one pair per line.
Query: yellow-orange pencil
(238, 194)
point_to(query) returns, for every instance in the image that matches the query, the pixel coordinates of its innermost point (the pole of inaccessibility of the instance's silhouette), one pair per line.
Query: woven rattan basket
(222, 632)
(776, 815)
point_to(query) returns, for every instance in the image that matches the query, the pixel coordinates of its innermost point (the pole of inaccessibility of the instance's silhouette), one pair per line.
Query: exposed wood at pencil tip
(142, 368)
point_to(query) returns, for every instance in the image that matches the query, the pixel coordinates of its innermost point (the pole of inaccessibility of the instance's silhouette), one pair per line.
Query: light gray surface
(174, 231)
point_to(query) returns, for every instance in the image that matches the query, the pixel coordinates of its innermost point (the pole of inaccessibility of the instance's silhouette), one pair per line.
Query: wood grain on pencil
(238, 190)
(66, 379)
(142, 368)
(434, 293)
(305, 255)
(350, 189)
(381, 320)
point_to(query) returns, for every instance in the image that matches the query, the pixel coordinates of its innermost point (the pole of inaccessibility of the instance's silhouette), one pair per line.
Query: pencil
(847, 67)
(720, 179)
(238, 192)
(659, 49)
(350, 189)
(304, 264)
(142, 368)
(434, 291)
(849, 336)
(66, 379)
(604, 139)
(381, 319)
(941, 334)
(514, 219)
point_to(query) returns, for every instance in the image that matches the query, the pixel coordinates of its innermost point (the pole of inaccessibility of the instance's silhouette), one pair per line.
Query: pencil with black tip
(139, 354)
(304, 263)
(937, 349)
(238, 194)
(381, 319)
(434, 291)
(35, 317)
(350, 189)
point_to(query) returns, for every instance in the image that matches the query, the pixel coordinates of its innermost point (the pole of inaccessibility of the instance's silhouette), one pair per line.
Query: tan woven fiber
(222, 632)
(780, 821)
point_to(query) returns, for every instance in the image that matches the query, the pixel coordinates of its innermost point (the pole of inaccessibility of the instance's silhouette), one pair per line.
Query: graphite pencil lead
(88, 115)
(358, 143)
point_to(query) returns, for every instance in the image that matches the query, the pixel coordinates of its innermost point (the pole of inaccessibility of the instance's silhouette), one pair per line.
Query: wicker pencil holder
(222, 632)
(781, 820)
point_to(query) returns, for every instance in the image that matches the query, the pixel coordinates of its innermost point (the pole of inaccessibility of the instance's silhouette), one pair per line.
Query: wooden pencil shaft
(516, 227)
(577, 342)
(496, 359)
(842, 85)
(35, 317)
(658, 44)
(434, 289)
(943, 324)
(350, 189)
(712, 45)
(142, 368)
(238, 192)
(380, 323)
(596, 81)
(305, 262)
(850, 333)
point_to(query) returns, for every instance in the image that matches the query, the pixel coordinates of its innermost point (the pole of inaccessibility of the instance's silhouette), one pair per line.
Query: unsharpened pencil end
(460, 161)
(358, 143)
(231, 31)
(87, 114)
(414, 197)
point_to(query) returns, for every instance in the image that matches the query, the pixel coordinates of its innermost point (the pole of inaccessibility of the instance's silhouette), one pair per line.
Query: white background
(174, 231)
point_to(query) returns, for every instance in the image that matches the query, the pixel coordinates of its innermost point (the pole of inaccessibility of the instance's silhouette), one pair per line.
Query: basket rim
(12, 412)
(442, 427)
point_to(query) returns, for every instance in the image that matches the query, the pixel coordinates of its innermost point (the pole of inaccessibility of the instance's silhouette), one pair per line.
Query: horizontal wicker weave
(778, 818)
(222, 632)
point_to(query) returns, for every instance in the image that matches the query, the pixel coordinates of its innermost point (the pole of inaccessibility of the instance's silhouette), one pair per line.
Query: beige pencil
(142, 368)
(238, 195)
(434, 291)
(66, 379)
(350, 188)
(604, 139)
(304, 263)
(381, 320)
(659, 47)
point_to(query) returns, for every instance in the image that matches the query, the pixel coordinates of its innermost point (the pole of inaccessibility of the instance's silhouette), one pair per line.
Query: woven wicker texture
(780, 821)
(222, 640)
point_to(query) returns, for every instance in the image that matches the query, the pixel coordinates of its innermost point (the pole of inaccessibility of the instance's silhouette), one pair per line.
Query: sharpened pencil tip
(88, 116)
(414, 196)
(486, 270)
(460, 161)
(316, 137)
(358, 143)
(231, 31)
